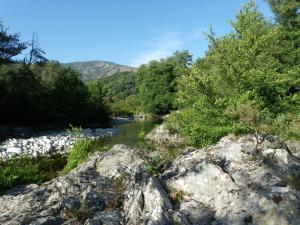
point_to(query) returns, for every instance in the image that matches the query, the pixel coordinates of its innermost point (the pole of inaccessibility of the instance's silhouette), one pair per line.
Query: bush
(79, 153)
(204, 126)
(157, 82)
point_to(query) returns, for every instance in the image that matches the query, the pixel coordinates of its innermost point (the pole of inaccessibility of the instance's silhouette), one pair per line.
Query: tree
(36, 54)
(287, 13)
(242, 84)
(158, 82)
(22, 91)
(10, 45)
(97, 106)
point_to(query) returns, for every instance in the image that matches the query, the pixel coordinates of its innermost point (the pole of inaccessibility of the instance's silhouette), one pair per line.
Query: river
(121, 131)
(130, 133)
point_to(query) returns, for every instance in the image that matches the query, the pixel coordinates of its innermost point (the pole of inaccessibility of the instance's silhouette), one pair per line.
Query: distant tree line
(35, 91)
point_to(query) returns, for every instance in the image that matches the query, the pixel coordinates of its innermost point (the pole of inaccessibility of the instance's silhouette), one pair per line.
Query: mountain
(92, 70)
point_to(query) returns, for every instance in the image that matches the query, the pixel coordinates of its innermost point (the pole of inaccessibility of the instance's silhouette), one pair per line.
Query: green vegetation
(36, 92)
(128, 106)
(177, 196)
(26, 170)
(119, 85)
(248, 80)
(150, 90)
(157, 82)
(120, 91)
(157, 163)
(79, 153)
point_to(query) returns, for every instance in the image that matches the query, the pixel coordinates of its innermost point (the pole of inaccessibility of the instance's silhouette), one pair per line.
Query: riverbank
(232, 182)
(50, 142)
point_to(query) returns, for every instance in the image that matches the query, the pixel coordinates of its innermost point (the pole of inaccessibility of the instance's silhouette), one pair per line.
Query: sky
(129, 32)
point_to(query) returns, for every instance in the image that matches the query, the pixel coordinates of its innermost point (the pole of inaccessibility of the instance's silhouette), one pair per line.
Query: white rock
(14, 150)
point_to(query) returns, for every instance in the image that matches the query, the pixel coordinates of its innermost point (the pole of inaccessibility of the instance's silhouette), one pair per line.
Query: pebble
(49, 144)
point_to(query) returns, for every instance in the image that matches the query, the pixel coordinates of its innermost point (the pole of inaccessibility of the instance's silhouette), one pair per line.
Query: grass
(158, 162)
(80, 215)
(177, 196)
(26, 170)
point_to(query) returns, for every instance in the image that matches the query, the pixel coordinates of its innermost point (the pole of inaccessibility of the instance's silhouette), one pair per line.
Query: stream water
(43, 168)
(130, 133)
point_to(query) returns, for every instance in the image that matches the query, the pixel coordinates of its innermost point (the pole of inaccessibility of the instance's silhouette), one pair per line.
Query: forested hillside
(92, 70)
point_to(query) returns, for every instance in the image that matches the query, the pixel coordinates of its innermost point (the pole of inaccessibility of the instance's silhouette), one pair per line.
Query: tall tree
(287, 12)
(243, 82)
(10, 45)
(158, 82)
(36, 54)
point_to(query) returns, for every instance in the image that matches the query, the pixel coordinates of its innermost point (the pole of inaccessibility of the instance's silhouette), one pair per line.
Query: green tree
(241, 71)
(96, 103)
(287, 13)
(10, 45)
(158, 81)
(19, 102)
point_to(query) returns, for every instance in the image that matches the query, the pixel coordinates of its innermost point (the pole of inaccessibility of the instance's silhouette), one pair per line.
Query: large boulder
(239, 183)
(162, 136)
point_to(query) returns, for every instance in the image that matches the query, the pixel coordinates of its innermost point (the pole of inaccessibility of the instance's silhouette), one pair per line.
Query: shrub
(204, 127)
(79, 153)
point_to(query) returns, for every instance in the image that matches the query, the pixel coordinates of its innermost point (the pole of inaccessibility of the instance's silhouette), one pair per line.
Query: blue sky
(129, 32)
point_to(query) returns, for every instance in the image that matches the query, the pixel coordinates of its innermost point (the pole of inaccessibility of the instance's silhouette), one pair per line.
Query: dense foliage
(120, 91)
(151, 89)
(158, 82)
(120, 85)
(37, 92)
(248, 80)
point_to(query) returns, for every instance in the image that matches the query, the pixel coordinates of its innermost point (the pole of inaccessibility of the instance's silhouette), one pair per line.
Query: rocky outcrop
(162, 136)
(232, 182)
(240, 183)
(294, 147)
(49, 143)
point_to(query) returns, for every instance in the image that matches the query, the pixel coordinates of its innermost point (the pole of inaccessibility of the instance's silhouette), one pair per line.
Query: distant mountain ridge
(92, 70)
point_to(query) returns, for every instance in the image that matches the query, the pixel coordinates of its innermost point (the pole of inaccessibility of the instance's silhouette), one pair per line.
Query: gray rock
(48, 221)
(241, 188)
(196, 213)
(162, 136)
(232, 182)
(294, 147)
(105, 218)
